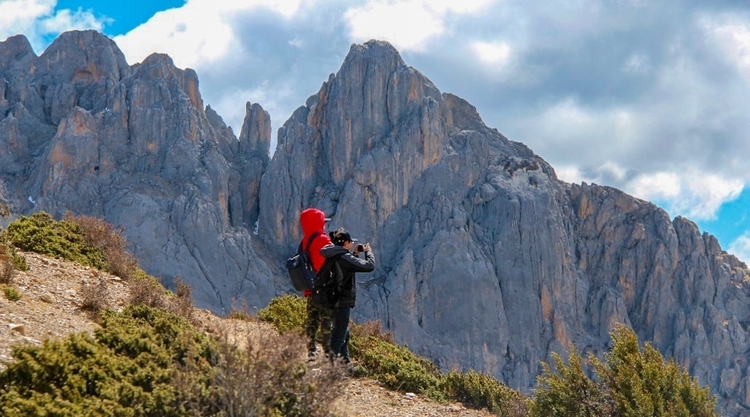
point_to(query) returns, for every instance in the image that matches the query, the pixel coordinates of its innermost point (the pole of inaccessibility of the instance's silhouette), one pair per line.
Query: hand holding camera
(362, 248)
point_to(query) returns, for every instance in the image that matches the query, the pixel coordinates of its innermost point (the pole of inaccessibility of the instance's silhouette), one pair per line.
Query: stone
(48, 298)
(18, 328)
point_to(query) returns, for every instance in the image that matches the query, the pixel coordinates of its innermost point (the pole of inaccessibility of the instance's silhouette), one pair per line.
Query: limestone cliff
(486, 259)
(81, 130)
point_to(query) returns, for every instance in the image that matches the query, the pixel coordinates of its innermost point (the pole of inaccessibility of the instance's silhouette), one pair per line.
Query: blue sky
(649, 97)
(120, 17)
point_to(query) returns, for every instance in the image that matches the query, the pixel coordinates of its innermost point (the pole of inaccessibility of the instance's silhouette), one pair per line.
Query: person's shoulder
(321, 240)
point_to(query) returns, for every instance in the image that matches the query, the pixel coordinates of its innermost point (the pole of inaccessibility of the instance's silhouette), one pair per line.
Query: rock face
(81, 130)
(486, 259)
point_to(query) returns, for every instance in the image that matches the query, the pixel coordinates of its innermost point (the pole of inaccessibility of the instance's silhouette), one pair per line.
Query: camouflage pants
(318, 317)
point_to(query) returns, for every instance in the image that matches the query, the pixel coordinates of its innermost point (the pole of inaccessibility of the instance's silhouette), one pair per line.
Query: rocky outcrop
(83, 131)
(486, 259)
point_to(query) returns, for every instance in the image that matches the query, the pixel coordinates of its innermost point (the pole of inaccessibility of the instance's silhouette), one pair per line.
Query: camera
(360, 248)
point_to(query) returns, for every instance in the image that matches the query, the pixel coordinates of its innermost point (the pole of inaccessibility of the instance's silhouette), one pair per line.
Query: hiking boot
(353, 370)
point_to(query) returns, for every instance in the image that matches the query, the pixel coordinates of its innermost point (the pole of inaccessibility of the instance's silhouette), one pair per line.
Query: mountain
(82, 131)
(485, 259)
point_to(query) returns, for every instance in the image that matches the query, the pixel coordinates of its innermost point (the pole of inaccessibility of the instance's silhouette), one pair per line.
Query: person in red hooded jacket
(313, 221)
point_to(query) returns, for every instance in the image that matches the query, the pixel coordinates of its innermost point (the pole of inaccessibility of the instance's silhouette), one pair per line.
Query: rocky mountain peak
(83, 57)
(159, 68)
(133, 145)
(15, 48)
(255, 135)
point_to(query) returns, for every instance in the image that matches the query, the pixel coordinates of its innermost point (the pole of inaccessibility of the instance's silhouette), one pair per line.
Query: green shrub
(288, 312)
(640, 382)
(11, 293)
(630, 382)
(126, 369)
(40, 233)
(397, 367)
(569, 392)
(148, 362)
(379, 357)
(479, 390)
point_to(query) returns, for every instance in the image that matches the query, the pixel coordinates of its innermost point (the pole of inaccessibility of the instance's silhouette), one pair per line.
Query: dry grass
(263, 375)
(110, 241)
(374, 329)
(7, 270)
(147, 291)
(182, 304)
(94, 296)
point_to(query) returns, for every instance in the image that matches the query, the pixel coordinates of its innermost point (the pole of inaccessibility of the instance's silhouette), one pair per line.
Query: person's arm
(354, 264)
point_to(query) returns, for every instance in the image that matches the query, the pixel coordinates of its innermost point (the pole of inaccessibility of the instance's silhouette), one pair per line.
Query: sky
(649, 97)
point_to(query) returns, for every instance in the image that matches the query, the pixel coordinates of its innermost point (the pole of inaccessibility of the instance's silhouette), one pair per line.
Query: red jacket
(313, 220)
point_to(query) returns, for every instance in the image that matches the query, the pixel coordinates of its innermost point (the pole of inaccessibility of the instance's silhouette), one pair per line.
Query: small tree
(569, 391)
(630, 382)
(641, 383)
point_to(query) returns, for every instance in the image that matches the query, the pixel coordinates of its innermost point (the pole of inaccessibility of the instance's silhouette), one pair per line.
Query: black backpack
(300, 267)
(325, 291)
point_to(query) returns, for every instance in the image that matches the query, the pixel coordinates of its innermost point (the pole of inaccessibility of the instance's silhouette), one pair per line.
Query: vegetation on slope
(379, 357)
(150, 360)
(86, 240)
(631, 381)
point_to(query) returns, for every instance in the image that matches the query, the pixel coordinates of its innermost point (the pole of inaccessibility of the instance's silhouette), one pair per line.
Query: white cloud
(65, 20)
(197, 34)
(637, 64)
(494, 53)
(732, 36)
(407, 24)
(690, 193)
(741, 248)
(191, 35)
(38, 20)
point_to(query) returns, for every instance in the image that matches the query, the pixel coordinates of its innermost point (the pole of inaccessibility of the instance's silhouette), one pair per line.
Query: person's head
(312, 220)
(341, 237)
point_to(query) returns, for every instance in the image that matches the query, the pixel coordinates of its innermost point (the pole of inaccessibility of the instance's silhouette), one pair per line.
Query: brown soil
(50, 307)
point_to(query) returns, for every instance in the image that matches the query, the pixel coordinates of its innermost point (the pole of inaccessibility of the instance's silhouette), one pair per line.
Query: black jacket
(349, 264)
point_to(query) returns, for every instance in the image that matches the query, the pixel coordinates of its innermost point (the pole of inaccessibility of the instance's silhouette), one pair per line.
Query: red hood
(312, 220)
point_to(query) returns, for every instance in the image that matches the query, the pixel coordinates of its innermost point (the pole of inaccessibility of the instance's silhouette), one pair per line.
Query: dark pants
(318, 317)
(340, 333)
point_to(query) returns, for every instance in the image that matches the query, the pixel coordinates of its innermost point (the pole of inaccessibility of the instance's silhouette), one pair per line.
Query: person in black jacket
(347, 285)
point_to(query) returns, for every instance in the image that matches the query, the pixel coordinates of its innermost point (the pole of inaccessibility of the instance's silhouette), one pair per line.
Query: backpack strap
(309, 241)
